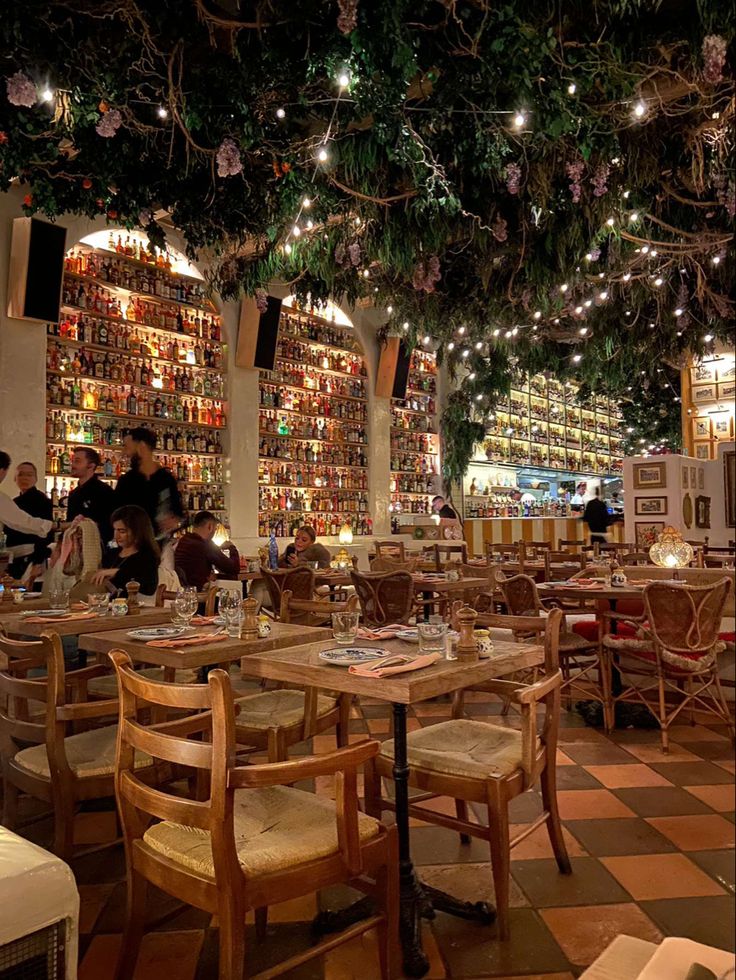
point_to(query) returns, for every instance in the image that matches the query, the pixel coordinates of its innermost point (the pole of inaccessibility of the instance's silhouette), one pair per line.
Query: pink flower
(354, 253)
(575, 172)
(513, 178)
(228, 159)
(340, 253)
(499, 229)
(714, 58)
(109, 123)
(261, 300)
(347, 19)
(21, 90)
(599, 180)
(425, 277)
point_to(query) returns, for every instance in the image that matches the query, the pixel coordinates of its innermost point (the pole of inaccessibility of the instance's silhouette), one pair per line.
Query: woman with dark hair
(137, 555)
(305, 550)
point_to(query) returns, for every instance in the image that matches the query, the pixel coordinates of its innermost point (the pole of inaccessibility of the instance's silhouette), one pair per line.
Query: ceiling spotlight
(281, 113)
(572, 88)
(519, 120)
(639, 110)
(162, 113)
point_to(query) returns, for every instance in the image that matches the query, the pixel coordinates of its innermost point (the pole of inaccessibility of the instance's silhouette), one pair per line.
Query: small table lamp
(671, 551)
(342, 558)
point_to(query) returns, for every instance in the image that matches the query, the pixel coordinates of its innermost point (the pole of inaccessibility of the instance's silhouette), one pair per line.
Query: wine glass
(231, 608)
(185, 606)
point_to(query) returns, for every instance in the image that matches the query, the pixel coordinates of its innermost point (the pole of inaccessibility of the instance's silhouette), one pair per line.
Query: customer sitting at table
(305, 550)
(136, 557)
(196, 553)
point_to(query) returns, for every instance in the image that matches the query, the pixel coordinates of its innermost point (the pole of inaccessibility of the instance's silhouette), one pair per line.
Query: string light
(588, 303)
(716, 259)
(465, 353)
(479, 345)
(610, 222)
(280, 113)
(323, 155)
(577, 358)
(426, 339)
(640, 110)
(678, 311)
(578, 309)
(405, 325)
(471, 376)
(451, 345)
(479, 398)
(287, 248)
(496, 332)
(658, 281)
(47, 95)
(307, 203)
(603, 296)
(461, 330)
(310, 224)
(564, 287)
(519, 120)
(644, 249)
(634, 216)
(626, 276)
(389, 310)
(583, 331)
(162, 113)
(708, 337)
(572, 88)
(366, 274)
(343, 79)
(537, 315)
(296, 231)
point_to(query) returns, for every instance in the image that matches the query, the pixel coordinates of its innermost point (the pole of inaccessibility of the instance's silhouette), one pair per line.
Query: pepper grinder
(249, 629)
(133, 588)
(467, 648)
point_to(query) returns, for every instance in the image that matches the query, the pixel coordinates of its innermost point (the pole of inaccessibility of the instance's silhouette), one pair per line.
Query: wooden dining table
(202, 654)
(302, 666)
(15, 624)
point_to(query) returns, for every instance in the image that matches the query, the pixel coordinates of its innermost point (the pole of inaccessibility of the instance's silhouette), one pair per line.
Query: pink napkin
(190, 641)
(70, 617)
(364, 670)
(203, 620)
(381, 633)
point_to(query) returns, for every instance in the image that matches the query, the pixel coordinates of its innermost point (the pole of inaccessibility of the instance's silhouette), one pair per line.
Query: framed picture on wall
(685, 481)
(729, 478)
(650, 476)
(727, 370)
(705, 371)
(647, 533)
(701, 479)
(650, 506)
(701, 428)
(727, 390)
(702, 512)
(704, 393)
(693, 477)
(722, 425)
(702, 451)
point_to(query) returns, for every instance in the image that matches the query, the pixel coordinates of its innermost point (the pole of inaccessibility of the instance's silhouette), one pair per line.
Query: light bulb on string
(640, 109)
(389, 310)
(679, 312)
(343, 79)
(572, 88)
(708, 338)
(47, 95)
(426, 339)
(537, 315)
(564, 287)
(451, 345)
(578, 310)
(716, 259)
(479, 345)
(627, 195)
(519, 119)
(471, 376)
(610, 222)
(626, 276)
(658, 281)
(465, 353)
(322, 155)
(583, 331)
(306, 202)
(296, 231)
(281, 113)
(603, 296)
(588, 303)
(577, 358)
(634, 216)
(405, 325)
(162, 112)
(366, 274)
(496, 332)
(461, 330)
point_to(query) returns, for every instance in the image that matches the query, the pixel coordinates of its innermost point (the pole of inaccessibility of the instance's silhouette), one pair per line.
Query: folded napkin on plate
(364, 670)
(382, 633)
(70, 617)
(190, 641)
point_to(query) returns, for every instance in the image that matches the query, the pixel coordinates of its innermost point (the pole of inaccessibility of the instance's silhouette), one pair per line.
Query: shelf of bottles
(541, 423)
(414, 440)
(137, 343)
(313, 452)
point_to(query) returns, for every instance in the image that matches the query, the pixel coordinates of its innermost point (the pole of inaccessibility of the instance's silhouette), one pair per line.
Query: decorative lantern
(342, 559)
(671, 551)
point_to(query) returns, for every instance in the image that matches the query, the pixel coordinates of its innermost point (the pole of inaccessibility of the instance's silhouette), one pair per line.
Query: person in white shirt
(10, 513)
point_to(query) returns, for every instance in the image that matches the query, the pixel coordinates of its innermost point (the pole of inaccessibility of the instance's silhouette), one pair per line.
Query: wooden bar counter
(508, 530)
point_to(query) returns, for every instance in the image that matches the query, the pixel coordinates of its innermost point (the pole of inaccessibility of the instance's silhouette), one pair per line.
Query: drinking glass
(345, 627)
(231, 608)
(433, 638)
(184, 608)
(59, 599)
(98, 602)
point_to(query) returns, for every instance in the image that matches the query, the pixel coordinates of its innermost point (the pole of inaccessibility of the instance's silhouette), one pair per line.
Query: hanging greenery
(534, 183)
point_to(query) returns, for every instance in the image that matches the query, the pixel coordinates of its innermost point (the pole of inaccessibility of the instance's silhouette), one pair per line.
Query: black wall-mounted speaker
(401, 377)
(36, 270)
(268, 335)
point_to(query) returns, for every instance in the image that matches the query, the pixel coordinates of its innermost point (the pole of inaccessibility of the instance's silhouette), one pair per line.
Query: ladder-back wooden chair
(476, 762)
(250, 840)
(560, 565)
(395, 550)
(385, 597)
(299, 580)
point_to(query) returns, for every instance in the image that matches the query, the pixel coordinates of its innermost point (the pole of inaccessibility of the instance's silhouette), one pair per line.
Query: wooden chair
(510, 551)
(539, 545)
(676, 649)
(580, 658)
(567, 544)
(725, 561)
(482, 598)
(395, 550)
(253, 840)
(450, 552)
(299, 580)
(635, 558)
(558, 565)
(41, 757)
(312, 612)
(389, 565)
(385, 597)
(476, 762)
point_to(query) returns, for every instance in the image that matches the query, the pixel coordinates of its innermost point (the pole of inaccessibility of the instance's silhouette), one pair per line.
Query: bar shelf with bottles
(414, 440)
(137, 343)
(313, 413)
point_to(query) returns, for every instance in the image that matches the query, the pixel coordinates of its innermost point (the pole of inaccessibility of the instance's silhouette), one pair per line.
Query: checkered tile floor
(651, 839)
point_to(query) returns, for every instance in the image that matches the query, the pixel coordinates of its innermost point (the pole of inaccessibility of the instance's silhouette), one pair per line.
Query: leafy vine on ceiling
(532, 185)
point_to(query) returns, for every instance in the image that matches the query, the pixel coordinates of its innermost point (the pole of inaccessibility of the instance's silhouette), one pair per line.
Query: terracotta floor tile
(660, 801)
(652, 752)
(594, 753)
(591, 804)
(694, 733)
(720, 865)
(537, 844)
(697, 832)
(693, 773)
(100, 958)
(563, 759)
(302, 909)
(627, 777)
(568, 736)
(612, 837)
(721, 798)
(470, 883)
(171, 954)
(709, 920)
(721, 751)
(378, 726)
(589, 884)
(654, 876)
(92, 899)
(583, 933)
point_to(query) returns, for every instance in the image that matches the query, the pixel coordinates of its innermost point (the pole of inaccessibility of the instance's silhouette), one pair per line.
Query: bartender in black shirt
(92, 498)
(32, 501)
(441, 507)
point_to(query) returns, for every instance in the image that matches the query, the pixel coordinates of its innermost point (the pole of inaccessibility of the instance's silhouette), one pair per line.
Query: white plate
(412, 635)
(347, 656)
(46, 613)
(675, 955)
(158, 632)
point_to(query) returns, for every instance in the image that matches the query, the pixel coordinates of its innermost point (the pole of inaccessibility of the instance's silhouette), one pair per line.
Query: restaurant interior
(367, 491)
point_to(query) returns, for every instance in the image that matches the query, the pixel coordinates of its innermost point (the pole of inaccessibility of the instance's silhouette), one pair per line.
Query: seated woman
(136, 557)
(305, 550)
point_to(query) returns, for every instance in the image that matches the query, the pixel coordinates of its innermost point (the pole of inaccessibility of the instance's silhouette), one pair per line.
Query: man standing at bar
(150, 485)
(92, 497)
(597, 518)
(29, 549)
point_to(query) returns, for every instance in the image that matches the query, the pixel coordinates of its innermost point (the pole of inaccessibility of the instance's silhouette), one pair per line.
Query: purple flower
(499, 228)
(347, 19)
(425, 277)
(145, 217)
(513, 178)
(21, 90)
(599, 180)
(261, 300)
(228, 159)
(714, 58)
(354, 253)
(595, 253)
(109, 123)
(575, 171)
(340, 253)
